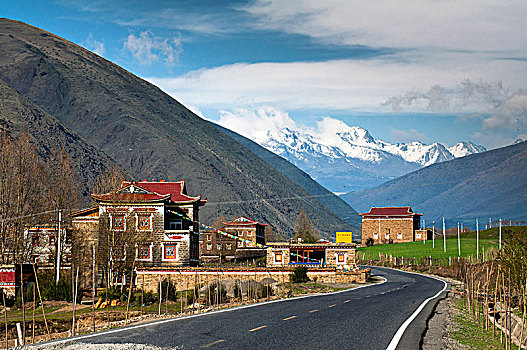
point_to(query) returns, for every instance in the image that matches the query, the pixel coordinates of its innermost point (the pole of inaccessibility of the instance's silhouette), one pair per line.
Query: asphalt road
(364, 318)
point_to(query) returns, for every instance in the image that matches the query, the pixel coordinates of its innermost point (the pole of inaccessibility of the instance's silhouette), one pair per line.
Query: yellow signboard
(344, 237)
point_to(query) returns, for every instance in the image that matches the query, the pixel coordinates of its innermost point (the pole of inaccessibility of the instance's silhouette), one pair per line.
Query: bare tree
(304, 228)
(271, 236)
(22, 196)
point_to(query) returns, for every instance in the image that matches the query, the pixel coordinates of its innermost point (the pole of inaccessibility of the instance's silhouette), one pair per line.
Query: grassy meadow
(488, 239)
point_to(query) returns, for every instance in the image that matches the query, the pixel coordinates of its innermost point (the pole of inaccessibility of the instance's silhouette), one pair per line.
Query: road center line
(314, 310)
(257, 328)
(289, 318)
(332, 305)
(213, 343)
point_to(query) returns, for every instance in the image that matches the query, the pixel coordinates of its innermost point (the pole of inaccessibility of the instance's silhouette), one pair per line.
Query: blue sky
(424, 70)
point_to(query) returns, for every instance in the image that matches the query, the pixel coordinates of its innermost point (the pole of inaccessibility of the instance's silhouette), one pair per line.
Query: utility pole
(433, 235)
(458, 241)
(59, 247)
(444, 236)
(426, 231)
(500, 234)
(477, 239)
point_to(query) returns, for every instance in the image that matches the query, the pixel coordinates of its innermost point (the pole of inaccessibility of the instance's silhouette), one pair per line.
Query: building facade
(215, 247)
(248, 244)
(391, 225)
(250, 235)
(312, 254)
(141, 223)
(44, 244)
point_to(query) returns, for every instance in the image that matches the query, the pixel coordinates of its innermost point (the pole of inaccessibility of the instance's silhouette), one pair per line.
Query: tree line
(31, 192)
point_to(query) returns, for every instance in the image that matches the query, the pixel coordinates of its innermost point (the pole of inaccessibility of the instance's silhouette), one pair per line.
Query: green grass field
(488, 239)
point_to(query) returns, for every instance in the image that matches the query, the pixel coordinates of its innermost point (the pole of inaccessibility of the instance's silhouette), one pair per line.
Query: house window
(278, 258)
(218, 246)
(118, 222)
(175, 224)
(240, 244)
(52, 239)
(170, 252)
(229, 246)
(35, 257)
(209, 246)
(375, 235)
(341, 258)
(418, 235)
(144, 252)
(387, 236)
(399, 235)
(249, 244)
(118, 253)
(35, 241)
(209, 238)
(240, 233)
(249, 233)
(144, 222)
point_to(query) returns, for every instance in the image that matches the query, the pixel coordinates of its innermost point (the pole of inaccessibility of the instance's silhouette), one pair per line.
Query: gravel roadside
(441, 326)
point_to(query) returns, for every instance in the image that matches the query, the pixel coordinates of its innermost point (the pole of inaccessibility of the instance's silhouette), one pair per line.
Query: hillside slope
(335, 203)
(18, 115)
(488, 184)
(150, 134)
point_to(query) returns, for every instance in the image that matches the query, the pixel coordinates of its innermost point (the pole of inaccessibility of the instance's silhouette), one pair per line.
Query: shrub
(299, 274)
(369, 242)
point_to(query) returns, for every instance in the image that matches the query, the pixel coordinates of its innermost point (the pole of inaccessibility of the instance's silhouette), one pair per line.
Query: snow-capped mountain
(351, 159)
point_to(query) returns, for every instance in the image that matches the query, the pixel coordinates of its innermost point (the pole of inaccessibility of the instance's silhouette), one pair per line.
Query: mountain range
(488, 184)
(352, 160)
(114, 118)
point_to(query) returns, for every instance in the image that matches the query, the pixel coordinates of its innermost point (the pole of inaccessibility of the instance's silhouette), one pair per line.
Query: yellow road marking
(257, 328)
(346, 301)
(332, 305)
(289, 318)
(314, 310)
(213, 343)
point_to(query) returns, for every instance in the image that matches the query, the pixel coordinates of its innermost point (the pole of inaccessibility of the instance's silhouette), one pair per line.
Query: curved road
(363, 318)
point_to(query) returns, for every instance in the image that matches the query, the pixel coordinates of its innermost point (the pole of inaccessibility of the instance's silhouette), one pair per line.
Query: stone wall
(185, 278)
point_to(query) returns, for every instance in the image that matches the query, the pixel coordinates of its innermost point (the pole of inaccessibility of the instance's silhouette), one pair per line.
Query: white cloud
(148, 48)
(467, 96)
(255, 123)
(94, 45)
(485, 25)
(406, 136)
(333, 85)
(511, 114)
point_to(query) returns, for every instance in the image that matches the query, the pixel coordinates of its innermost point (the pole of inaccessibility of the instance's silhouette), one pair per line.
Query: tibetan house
(139, 223)
(391, 225)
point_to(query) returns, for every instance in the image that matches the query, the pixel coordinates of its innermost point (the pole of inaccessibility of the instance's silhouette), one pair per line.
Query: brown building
(215, 246)
(391, 225)
(250, 237)
(141, 221)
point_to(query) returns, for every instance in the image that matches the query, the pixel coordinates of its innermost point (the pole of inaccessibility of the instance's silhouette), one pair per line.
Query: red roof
(146, 191)
(243, 221)
(390, 211)
(177, 190)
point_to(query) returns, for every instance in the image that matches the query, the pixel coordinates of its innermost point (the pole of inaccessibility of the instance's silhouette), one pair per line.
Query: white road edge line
(399, 334)
(175, 319)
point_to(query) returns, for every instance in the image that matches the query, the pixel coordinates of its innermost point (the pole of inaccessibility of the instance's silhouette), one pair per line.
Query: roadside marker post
(477, 239)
